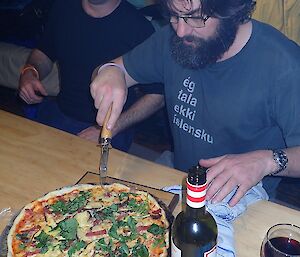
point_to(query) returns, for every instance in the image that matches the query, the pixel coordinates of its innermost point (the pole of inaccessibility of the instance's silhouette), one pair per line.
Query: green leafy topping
(159, 242)
(140, 250)
(121, 223)
(123, 196)
(141, 208)
(76, 247)
(110, 209)
(131, 222)
(132, 203)
(68, 228)
(101, 245)
(114, 234)
(71, 206)
(156, 230)
(43, 241)
(63, 245)
(59, 207)
(108, 213)
(123, 250)
(22, 246)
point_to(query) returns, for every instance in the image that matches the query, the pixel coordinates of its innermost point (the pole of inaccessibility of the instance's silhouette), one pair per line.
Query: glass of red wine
(281, 240)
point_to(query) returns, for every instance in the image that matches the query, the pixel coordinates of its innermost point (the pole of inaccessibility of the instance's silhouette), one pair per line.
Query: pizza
(91, 220)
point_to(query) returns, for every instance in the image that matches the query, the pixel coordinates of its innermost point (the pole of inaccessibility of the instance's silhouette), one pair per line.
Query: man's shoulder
(272, 40)
(269, 33)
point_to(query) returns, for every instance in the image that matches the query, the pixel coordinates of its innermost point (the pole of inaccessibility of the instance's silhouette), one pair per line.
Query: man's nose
(182, 28)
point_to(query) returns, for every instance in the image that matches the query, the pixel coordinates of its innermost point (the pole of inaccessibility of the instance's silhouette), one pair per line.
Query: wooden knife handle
(106, 133)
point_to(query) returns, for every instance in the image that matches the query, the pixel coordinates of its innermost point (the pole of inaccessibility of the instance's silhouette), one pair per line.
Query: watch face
(281, 160)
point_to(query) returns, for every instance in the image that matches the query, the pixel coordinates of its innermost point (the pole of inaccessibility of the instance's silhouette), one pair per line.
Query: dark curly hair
(238, 11)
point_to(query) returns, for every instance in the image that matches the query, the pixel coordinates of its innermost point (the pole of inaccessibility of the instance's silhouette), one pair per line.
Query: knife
(104, 141)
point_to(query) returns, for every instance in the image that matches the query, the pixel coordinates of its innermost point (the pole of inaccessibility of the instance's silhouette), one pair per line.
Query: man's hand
(236, 170)
(31, 89)
(109, 88)
(91, 133)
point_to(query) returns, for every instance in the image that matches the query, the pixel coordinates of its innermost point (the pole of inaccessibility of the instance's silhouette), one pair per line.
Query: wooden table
(35, 159)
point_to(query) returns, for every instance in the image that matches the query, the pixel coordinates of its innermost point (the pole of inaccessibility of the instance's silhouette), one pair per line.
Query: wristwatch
(281, 160)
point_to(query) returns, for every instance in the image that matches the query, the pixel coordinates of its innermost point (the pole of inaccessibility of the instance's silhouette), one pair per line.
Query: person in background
(284, 15)
(231, 91)
(80, 34)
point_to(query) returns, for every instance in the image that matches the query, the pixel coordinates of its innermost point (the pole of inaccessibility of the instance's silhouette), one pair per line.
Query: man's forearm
(293, 166)
(140, 110)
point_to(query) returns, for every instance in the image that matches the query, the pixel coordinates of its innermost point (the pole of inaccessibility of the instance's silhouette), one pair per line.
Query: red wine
(283, 244)
(194, 231)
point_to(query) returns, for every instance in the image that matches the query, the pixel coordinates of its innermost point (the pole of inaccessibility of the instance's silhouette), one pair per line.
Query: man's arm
(109, 87)
(244, 171)
(140, 110)
(38, 67)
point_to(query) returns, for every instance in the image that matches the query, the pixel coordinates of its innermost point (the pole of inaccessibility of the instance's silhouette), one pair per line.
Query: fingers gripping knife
(104, 141)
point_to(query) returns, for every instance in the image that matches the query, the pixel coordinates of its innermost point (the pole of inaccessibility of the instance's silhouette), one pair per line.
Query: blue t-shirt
(79, 43)
(245, 103)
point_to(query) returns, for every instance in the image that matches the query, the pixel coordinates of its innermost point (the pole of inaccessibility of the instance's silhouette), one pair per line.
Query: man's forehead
(186, 6)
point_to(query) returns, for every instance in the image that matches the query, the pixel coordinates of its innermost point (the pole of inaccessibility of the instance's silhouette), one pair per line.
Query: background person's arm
(142, 109)
(31, 89)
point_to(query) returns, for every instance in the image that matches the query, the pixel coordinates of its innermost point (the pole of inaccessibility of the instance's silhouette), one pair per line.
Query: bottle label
(195, 195)
(176, 252)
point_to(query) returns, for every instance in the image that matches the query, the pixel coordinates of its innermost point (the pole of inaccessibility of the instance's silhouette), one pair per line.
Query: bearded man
(231, 91)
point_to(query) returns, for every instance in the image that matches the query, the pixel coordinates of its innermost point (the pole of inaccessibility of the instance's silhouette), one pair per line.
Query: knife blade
(104, 141)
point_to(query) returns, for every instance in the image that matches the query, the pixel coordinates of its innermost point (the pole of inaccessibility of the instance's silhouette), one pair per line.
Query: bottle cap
(197, 175)
(196, 187)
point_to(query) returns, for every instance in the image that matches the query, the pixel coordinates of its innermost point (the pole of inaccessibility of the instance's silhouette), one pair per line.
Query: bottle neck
(195, 199)
(194, 212)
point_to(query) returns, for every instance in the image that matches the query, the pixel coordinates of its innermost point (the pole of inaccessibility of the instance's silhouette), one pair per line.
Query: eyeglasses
(193, 21)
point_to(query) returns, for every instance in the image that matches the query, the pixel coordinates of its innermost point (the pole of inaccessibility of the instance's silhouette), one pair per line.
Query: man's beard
(203, 52)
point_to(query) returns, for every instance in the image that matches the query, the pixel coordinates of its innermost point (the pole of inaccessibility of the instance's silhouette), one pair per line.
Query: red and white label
(195, 195)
